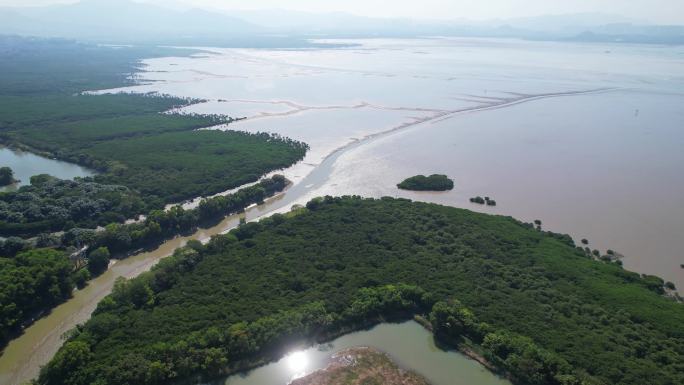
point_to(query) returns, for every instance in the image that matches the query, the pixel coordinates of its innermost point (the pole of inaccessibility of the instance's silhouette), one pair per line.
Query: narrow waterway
(503, 118)
(23, 357)
(408, 344)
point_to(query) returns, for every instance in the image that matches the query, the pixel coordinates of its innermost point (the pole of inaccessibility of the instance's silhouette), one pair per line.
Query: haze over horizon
(651, 11)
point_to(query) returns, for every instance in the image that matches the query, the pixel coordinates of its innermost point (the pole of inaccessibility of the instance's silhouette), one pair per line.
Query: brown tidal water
(501, 117)
(585, 165)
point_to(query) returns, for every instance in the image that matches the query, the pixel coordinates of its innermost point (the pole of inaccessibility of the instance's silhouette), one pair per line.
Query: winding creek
(415, 350)
(23, 357)
(494, 134)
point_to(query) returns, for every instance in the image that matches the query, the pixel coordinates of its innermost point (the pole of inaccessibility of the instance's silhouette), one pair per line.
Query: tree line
(49, 275)
(536, 306)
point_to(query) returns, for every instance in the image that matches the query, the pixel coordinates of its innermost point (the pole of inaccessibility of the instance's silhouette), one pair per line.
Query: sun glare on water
(297, 362)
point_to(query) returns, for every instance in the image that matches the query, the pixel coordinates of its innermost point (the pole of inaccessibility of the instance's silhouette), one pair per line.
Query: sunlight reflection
(297, 363)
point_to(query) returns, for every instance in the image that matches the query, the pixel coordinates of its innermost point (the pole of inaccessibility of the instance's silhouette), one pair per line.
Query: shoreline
(364, 140)
(67, 315)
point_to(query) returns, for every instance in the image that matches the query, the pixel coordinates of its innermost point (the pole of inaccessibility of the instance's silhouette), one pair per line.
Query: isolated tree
(6, 176)
(98, 261)
(81, 278)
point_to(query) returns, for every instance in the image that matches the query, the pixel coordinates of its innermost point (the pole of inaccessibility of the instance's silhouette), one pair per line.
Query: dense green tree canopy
(544, 310)
(145, 158)
(51, 204)
(98, 261)
(127, 138)
(30, 282)
(6, 176)
(435, 182)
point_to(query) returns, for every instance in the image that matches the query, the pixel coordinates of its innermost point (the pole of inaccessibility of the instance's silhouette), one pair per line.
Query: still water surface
(25, 165)
(519, 121)
(409, 344)
(585, 165)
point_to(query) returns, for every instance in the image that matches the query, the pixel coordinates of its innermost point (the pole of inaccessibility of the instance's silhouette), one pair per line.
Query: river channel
(586, 138)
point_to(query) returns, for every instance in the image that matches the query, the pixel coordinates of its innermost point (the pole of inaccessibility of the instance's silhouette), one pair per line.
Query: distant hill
(126, 21)
(122, 21)
(574, 27)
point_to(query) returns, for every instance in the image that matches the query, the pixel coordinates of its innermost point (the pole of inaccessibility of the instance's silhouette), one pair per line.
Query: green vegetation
(6, 176)
(481, 201)
(433, 182)
(51, 268)
(188, 164)
(146, 158)
(51, 204)
(98, 261)
(29, 283)
(11, 246)
(39, 67)
(160, 224)
(125, 137)
(539, 307)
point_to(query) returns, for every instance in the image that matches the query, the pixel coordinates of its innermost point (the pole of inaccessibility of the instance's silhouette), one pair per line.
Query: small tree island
(6, 176)
(434, 182)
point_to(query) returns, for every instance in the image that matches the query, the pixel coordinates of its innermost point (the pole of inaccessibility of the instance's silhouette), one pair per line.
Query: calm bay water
(585, 165)
(502, 117)
(585, 137)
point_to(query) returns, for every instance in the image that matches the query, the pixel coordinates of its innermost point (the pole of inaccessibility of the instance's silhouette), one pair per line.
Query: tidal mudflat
(581, 136)
(585, 137)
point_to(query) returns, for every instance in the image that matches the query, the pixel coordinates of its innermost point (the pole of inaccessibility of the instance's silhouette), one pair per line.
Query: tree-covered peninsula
(434, 182)
(535, 305)
(35, 278)
(144, 156)
(127, 138)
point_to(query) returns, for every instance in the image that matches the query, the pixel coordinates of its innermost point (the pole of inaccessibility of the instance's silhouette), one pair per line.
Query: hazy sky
(662, 11)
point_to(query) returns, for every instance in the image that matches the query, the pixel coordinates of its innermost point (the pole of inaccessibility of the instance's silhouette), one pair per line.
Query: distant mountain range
(125, 21)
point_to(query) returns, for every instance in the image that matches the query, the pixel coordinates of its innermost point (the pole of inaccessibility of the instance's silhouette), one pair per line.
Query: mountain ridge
(126, 21)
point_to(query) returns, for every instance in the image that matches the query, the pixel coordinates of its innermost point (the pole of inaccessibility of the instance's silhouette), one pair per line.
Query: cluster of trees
(182, 165)
(11, 246)
(6, 176)
(481, 201)
(335, 267)
(51, 204)
(160, 158)
(517, 356)
(31, 282)
(435, 182)
(209, 352)
(163, 224)
(53, 273)
(40, 66)
(126, 137)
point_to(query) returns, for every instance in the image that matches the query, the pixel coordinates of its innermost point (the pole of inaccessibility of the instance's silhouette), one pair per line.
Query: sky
(656, 11)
